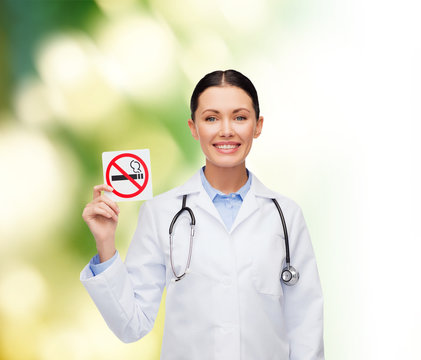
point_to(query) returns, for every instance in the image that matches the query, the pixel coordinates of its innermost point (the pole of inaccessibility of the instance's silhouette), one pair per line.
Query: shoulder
(162, 201)
(175, 195)
(262, 191)
(292, 211)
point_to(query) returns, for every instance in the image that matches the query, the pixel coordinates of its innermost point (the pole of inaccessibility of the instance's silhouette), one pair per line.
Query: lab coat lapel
(248, 207)
(250, 203)
(204, 202)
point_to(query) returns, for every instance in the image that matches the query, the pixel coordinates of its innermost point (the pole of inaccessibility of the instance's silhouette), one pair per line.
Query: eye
(240, 118)
(211, 118)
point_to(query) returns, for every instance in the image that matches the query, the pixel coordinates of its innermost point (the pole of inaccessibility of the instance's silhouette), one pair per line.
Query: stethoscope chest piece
(290, 276)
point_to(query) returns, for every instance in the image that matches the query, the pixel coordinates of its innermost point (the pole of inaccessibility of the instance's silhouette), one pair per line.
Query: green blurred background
(339, 88)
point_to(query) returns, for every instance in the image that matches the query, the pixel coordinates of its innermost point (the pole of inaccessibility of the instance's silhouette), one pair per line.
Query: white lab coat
(231, 305)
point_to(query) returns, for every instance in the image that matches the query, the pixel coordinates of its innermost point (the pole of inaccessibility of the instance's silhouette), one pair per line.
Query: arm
(304, 301)
(128, 295)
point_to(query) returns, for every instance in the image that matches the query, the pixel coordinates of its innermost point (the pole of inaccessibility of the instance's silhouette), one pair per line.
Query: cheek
(205, 132)
(247, 133)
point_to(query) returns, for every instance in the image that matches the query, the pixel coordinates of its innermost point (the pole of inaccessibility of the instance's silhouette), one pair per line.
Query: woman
(230, 303)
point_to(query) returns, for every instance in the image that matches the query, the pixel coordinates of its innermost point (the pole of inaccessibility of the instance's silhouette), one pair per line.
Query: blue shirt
(98, 267)
(227, 206)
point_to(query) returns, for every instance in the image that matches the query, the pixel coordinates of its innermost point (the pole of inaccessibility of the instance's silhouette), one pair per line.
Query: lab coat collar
(249, 206)
(194, 185)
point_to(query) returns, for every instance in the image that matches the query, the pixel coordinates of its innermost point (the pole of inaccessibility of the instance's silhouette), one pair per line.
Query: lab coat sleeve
(304, 301)
(128, 295)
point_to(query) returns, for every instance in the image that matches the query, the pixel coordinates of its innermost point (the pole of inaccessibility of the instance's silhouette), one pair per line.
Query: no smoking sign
(128, 173)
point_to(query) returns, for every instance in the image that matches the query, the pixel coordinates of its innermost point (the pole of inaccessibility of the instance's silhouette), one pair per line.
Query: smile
(226, 146)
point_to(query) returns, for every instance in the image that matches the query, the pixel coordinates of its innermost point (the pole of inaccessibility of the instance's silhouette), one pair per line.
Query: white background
(341, 137)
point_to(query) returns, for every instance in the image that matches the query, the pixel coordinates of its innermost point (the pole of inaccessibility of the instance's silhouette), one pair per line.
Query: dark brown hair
(224, 78)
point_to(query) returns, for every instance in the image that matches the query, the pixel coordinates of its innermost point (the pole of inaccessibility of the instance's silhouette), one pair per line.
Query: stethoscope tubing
(284, 226)
(192, 228)
(289, 275)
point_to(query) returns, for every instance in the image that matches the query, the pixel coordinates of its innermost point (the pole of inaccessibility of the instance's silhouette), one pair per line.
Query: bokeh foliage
(79, 78)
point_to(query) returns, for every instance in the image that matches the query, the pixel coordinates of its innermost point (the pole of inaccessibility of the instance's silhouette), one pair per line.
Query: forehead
(224, 97)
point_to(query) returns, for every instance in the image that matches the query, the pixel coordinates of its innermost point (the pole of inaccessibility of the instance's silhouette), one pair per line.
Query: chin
(226, 163)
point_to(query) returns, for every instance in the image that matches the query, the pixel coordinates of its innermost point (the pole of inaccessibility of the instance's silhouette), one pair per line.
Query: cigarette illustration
(135, 165)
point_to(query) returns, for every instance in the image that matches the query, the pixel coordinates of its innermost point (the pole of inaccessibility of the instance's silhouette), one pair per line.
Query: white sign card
(129, 174)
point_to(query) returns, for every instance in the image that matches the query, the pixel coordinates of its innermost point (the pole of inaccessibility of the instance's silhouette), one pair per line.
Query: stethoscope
(289, 275)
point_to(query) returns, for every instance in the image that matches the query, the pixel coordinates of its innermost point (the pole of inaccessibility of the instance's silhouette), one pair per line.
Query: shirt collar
(212, 192)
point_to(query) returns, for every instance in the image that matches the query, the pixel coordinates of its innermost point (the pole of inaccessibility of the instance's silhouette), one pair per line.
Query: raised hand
(101, 216)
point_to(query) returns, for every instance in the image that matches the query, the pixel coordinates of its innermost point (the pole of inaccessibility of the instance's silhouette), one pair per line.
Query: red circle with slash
(139, 187)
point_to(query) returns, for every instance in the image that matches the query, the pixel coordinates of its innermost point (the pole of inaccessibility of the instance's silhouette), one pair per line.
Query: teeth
(226, 146)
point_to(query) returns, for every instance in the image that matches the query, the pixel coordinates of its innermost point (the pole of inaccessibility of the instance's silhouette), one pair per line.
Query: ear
(259, 127)
(193, 129)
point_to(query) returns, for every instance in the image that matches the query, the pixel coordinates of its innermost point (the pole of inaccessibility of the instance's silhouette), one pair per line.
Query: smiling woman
(234, 298)
(225, 119)
(225, 124)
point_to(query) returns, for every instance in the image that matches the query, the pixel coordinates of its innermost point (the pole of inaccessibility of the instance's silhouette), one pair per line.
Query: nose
(226, 129)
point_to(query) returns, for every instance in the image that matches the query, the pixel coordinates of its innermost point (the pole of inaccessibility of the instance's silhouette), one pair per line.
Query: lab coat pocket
(189, 318)
(194, 292)
(267, 260)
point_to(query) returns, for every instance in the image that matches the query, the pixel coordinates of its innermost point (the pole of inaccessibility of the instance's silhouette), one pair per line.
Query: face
(225, 124)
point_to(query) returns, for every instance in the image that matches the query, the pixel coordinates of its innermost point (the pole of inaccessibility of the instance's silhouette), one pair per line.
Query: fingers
(98, 207)
(101, 204)
(104, 210)
(99, 188)
(99, 197)
(105, 199)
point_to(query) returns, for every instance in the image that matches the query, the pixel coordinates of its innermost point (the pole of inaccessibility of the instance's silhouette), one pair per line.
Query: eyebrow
(234, 112)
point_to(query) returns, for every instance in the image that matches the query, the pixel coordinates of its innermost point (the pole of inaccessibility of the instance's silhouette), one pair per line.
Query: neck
(226, 180)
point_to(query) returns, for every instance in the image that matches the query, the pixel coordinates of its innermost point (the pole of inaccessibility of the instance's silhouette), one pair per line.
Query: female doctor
(226, 265)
